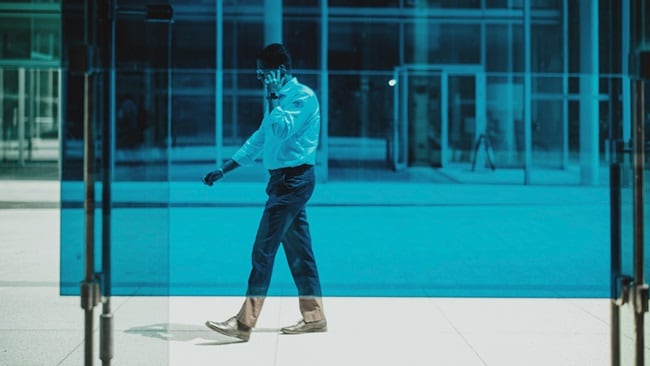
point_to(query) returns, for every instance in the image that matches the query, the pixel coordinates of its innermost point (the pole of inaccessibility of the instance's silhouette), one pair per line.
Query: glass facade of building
(408, 82)
(30, 81)
(133, 101)
(410, 90)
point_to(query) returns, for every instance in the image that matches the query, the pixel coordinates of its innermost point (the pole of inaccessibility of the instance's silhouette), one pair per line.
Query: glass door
(630, 187)
(423, 109)
(437, 114)
(465, 130)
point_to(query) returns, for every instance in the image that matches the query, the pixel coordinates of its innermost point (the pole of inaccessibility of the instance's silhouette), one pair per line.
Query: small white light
(392, 82)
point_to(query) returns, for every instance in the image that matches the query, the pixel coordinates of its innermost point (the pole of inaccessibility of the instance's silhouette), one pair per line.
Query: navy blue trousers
(285, 221)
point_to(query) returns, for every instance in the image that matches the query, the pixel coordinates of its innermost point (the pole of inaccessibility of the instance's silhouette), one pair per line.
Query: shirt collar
(286, 88)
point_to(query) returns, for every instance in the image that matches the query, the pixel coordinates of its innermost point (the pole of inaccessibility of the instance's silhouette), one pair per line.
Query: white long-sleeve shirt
(288, 135)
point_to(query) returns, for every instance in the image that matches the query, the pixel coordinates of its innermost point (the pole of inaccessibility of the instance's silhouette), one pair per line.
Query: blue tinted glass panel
(438, 43)
(428, 230)
(363, 46)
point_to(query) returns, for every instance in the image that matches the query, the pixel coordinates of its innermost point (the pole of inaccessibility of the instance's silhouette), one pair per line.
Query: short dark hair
(274, 55)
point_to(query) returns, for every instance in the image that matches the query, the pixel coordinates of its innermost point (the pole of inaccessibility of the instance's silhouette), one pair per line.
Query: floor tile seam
(276, 350)
(590, 313)
(536, 333)
(17, 330)
(460, 334)
(125, 300)
(372, 332)
(69, 354)
(29, 284)
(197, 330)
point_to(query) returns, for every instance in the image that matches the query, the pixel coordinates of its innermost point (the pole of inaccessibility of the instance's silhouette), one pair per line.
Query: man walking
(287, 140)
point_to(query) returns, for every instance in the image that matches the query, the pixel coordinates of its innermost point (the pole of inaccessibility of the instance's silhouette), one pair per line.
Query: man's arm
(291, 116)
(244, 156)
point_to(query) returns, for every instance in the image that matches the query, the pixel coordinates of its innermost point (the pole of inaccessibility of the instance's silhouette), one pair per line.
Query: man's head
(273, 57)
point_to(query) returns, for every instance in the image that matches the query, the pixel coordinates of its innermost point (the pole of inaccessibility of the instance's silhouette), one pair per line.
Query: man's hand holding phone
(274, 80)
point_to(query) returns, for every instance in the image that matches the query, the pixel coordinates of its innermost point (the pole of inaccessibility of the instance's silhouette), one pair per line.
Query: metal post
(640, 57)
(639, 137)
(106, 333)
(615, 258)
(90, 292)
(89, 288)
(108, 147)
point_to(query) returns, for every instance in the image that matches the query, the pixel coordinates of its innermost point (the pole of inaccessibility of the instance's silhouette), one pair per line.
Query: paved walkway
(40, 327)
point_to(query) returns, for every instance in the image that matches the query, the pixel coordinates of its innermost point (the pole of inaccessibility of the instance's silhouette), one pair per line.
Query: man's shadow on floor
(189, 332)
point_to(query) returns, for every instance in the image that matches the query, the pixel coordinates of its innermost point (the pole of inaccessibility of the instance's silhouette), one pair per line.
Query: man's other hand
(212, 177)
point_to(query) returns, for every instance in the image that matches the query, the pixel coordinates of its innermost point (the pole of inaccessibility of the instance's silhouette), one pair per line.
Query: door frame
(400, 126)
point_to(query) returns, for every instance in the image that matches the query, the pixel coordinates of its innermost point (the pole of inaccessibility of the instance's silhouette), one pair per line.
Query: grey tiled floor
(39, 327)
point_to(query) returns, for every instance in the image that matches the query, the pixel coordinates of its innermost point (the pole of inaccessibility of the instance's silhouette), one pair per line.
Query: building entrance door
(439, 114)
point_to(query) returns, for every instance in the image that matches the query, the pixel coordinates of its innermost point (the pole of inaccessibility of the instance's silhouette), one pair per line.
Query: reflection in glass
(380, 240)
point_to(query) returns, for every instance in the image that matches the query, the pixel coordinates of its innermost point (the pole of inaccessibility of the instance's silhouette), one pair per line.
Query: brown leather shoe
(303, 327)
(231, 328)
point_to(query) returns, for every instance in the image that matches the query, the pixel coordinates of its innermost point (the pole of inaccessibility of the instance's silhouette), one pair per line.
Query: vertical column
(324, 89)
(50, 94)
(31, 116)
(419, 116)
(527, 107)
(480, 106)
(2, 108)
(589, 157)
(508, 125)
(21, 116)
(626, 86)
(59, 116)
(272, 21)
(444, 118)
(218, 93)
(565, 84)
(480, 115)
(37, 96)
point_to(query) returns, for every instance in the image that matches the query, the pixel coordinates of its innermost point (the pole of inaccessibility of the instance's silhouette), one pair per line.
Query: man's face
(261, 71)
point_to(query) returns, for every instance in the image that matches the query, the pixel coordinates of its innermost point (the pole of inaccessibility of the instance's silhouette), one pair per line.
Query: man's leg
(300, 257)
(278, 216)
(274, 223)
(250, 311)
